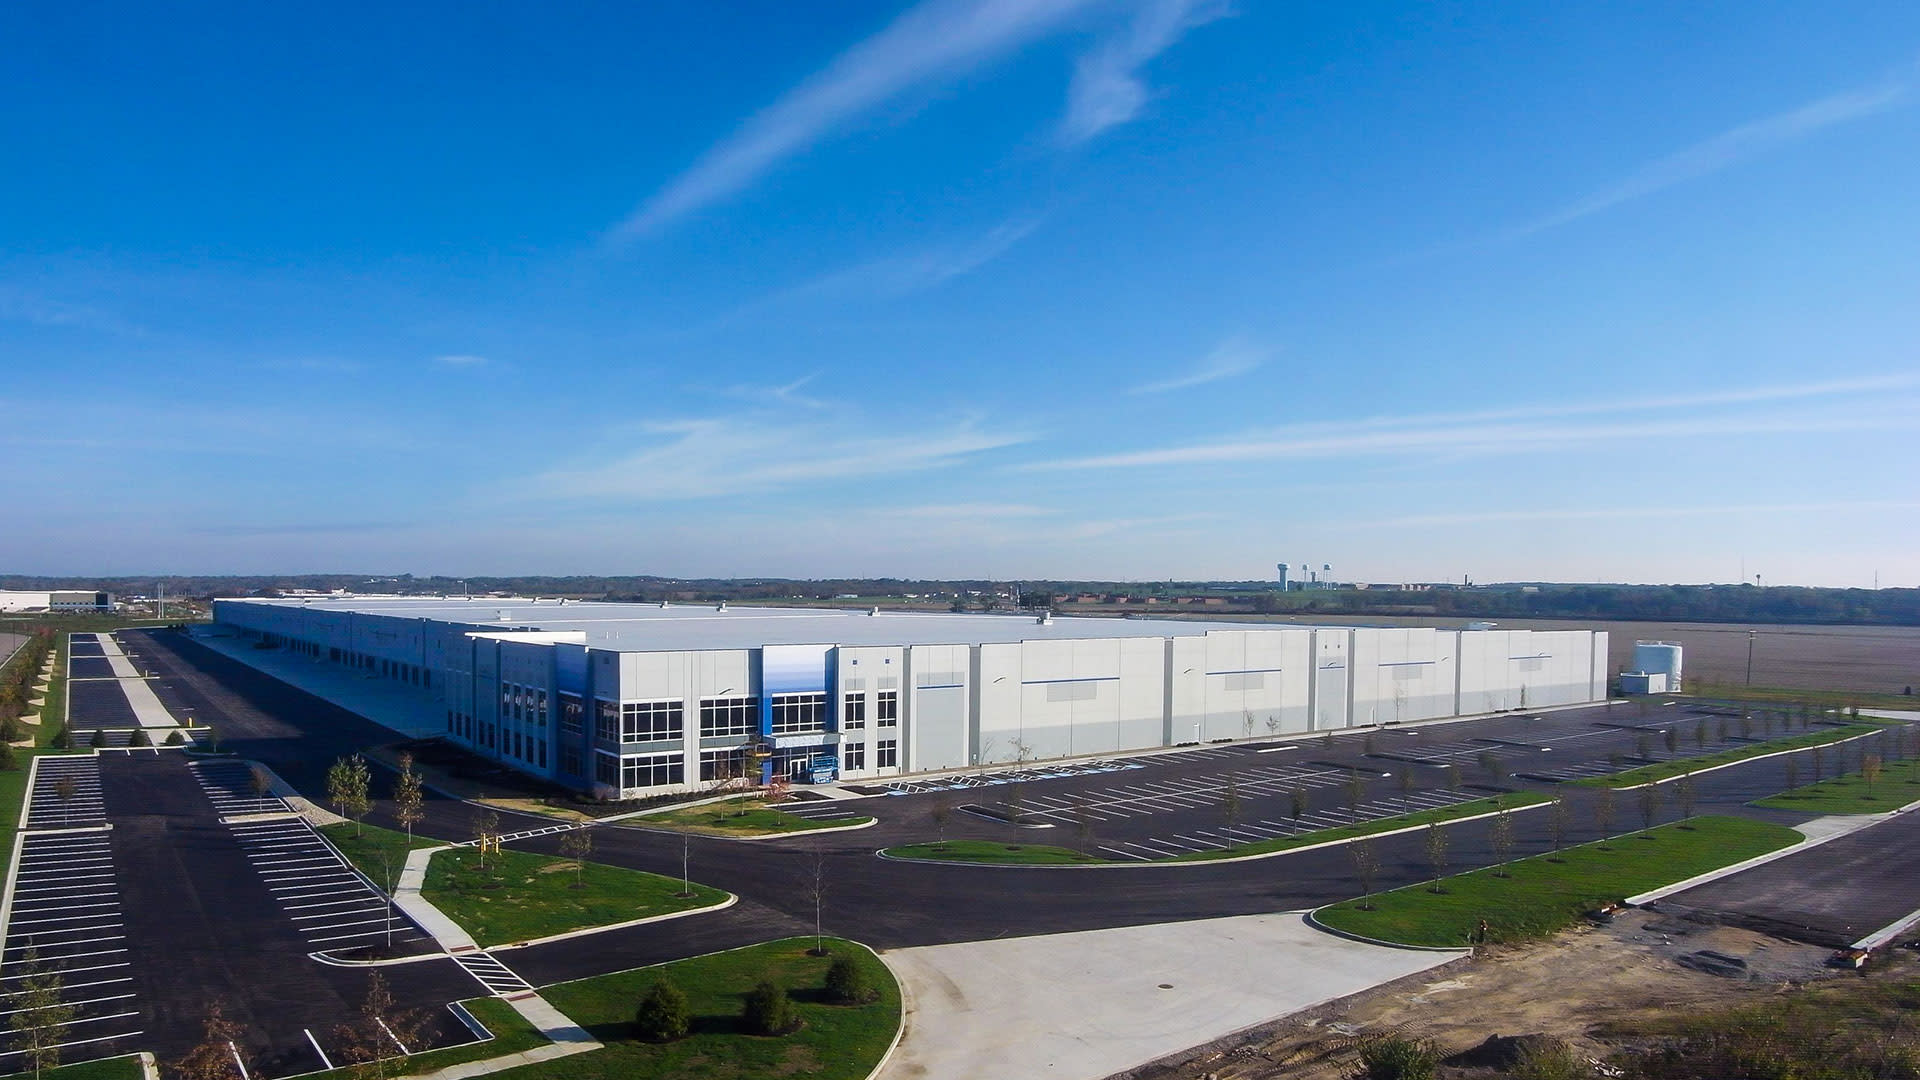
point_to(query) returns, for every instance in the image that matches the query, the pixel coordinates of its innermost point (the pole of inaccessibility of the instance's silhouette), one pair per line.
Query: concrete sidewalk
(1087, 1005)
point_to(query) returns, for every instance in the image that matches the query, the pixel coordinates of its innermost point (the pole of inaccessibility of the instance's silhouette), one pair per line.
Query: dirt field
(1869, 659)
(1571, 987)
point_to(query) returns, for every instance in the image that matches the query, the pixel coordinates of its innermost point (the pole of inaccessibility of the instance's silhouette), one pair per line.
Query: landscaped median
(126, 1067)
(746, 816)
(1668, 770)
(511, 1034)
(512, 896)
(1547, 893)
(1897, 785)
(1001, 854)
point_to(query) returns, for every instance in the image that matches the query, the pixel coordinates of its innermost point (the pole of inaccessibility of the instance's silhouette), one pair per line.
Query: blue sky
(1049, 288)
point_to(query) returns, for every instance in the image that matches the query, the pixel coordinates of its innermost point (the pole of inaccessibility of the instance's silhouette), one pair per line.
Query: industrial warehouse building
(628, 699)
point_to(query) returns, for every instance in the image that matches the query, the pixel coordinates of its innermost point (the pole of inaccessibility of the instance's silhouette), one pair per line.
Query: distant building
(56, 600)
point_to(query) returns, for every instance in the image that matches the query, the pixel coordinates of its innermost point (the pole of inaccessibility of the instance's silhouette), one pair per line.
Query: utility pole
(1750, 637)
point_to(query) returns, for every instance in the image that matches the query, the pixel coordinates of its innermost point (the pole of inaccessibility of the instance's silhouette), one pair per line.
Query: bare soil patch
(1585, 986)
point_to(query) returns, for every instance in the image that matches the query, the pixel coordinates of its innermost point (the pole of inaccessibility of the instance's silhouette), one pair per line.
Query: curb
(1652, 895)
(731, 900)
(1312, 919)
(796, 834)
(899, 1029)
(1192, 864)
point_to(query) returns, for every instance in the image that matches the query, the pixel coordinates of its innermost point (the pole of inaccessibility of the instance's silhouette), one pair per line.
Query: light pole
(1750, 636)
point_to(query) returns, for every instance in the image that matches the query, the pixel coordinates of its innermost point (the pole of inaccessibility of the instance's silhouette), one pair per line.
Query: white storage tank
(1658, 658)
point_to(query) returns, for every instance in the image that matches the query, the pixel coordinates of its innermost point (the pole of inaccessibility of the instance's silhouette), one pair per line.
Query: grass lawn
(748, 815)
(837, 1042)
(988, 851)
(375, 849)
(1899, 784)
(511, 1034)
(13, 782)
(1667, 770)
(523, 895)
(982, 851)
(114, 1068)
(1549, 892)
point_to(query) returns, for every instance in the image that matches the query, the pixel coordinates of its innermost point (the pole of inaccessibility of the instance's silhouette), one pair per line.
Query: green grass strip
(835, 1042)
(522, 895)
(1899, 784)
(1667, 770)
(982, 851)
(125, 1067)
(745, 816)
(1547, 893)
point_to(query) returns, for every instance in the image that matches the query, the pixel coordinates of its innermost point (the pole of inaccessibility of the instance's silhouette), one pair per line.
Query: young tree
(1367, 745)
(1700, 735)
(1684, 794)
(1082, 819)
(663, 1015)
(1230, 807)
(381, 1034)
(940, 809)
(1870, 771)
(766, 1010)
(1453, 777)
(261, 781)
(65, 789)
(1246, 723)
(1642, 746)
(1648, 797)
(1356, 792)
(1793, 771)
(1437, 855)
(409, 796)
(1500, 835)
(1298, 801)
(39, 1014)
(1366, 866)
(1557, 821)
(577, 844)
(1603, 812)
(485, 824)
(348, 789)
(98, 740)
(1406, 788)
(1016, 798)
(1672, 739)
(219, 1054)
(815, 887)
(1817, 758)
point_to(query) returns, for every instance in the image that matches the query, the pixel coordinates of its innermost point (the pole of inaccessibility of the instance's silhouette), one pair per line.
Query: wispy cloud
(900, 275)
(711, 458)
(1107, 89)
(1235, 356)
(1729, 148)
(1674, 510)
(317, 364)
(934, 42)
(28, 307)
(1545, 427)
(785, 395)
(461, 360)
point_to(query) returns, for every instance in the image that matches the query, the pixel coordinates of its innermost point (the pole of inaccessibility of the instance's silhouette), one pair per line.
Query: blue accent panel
(1045, 682)
(1250, 671)
(833, 691)
(958, 685)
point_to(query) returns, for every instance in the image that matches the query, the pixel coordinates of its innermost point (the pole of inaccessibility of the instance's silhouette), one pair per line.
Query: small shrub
(99, 739)
(767, 1011)
(1551, 1059)
(141, 738)
(63, 739)
(847, 982)
(176, 739)
(663, 1015)
(1395, 1057)
(9, 761)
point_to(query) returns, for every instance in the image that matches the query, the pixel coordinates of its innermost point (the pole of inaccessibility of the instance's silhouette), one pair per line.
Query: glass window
(570, 760)
(886, 708)
(606, 769)
(853, 755)
(855, 715)
(606, 720)
(799, 712)
(723, 764)
(572, 713)
(729, 716)
(649, 721)
(887, 753)
(652, 770)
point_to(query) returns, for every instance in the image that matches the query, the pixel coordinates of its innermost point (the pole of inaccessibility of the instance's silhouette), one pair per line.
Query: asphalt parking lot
(66, 910)
(326, 900)
(65, 793)
(1834, 894)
